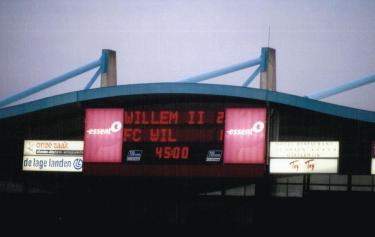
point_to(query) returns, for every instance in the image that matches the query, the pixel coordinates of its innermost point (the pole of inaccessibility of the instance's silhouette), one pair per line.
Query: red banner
(103, 135)
(245, 136)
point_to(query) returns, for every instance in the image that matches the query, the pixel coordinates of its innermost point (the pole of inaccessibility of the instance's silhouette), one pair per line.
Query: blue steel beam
(223, 71)
(93, 79)
(252, 76)
(345, 87)
(52, 82)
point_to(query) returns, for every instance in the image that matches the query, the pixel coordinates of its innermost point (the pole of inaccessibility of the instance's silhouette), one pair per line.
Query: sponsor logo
(115, 127)
(214, 155)
(256, 128)
(244, 137)
(103, 135)
(77, 164)
(134, 155)
(309, 164)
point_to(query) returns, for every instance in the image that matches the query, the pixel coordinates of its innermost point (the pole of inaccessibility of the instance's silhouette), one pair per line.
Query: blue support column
(104, 62)
(264, 57)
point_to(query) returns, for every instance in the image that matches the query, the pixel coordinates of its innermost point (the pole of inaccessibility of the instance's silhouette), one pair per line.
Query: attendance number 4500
(172, 152)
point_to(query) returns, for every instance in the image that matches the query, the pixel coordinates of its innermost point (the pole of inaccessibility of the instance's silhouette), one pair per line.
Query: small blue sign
(134, 155)
(214, 155)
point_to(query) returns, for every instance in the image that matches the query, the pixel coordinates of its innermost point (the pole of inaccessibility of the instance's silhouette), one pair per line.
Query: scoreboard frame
(185, 141)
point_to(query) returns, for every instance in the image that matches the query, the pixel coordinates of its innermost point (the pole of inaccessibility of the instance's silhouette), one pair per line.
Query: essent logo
(115, 127)
(256, 128)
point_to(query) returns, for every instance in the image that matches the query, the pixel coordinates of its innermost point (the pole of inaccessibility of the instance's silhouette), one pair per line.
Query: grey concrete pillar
(109, 70)
(268, 74)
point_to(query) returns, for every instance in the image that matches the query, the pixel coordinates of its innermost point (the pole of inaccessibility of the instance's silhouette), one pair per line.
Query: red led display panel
(245, 136)
(173, 136)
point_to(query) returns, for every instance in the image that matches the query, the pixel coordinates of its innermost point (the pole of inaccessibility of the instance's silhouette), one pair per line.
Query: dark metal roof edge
(190, 88)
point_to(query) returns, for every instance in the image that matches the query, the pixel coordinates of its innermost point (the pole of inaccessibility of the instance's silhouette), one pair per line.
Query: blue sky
(319, 44)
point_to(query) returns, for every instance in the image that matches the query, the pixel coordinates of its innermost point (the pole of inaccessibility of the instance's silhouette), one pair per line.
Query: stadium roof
(189, 88)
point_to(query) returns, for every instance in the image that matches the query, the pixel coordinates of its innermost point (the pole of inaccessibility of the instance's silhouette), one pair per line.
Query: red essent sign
(103, 135)
(245, 136)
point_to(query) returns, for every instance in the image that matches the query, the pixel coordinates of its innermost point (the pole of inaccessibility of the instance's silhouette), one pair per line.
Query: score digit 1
(172, 152)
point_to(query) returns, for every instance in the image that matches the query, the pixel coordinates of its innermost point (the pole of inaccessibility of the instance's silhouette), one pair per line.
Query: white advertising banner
(52, 163)
(59, 156)
(44, 147)
(315, 149)
(304, 157)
